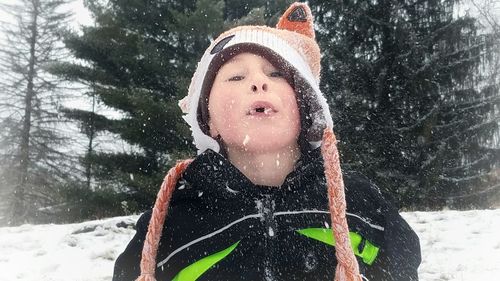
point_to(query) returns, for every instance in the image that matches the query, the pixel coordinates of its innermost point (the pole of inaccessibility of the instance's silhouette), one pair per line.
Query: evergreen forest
(413, 87)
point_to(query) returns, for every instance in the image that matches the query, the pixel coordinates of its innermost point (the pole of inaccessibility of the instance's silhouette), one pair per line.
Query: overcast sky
(81, 14)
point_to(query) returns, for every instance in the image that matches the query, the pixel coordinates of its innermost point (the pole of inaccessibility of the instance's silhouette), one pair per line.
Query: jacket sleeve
(400, 256)
(127, 265)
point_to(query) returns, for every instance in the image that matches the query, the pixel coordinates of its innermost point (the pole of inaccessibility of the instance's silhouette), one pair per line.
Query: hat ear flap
(298, 18)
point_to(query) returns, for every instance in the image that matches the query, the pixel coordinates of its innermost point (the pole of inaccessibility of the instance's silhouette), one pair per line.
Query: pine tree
(143, 54)
(33, 164)
(413, 108)
(244, 12)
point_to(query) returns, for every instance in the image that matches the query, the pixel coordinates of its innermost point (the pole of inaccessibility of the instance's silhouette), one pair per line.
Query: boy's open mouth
(261, 108)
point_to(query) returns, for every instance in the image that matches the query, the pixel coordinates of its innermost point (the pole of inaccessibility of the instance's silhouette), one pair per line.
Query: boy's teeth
(265, 110)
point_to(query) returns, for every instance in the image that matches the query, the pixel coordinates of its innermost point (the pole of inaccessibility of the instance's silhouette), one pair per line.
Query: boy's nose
(256, 88)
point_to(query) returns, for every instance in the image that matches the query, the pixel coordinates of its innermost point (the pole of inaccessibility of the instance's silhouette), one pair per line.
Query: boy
(256, 203)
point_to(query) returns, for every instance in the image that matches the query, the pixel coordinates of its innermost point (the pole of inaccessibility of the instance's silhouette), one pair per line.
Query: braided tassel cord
(347, 265)
(150, 249)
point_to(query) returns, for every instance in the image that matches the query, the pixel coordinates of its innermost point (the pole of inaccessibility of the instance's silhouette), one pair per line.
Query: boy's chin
(263, 142)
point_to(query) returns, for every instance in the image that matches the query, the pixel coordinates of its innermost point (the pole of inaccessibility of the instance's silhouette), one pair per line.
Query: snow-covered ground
(455, 246)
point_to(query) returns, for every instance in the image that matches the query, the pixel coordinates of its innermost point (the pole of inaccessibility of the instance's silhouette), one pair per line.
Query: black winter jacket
(220, 226)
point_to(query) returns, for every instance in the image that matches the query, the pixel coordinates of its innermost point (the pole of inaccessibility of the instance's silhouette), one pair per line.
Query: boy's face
(252, 106)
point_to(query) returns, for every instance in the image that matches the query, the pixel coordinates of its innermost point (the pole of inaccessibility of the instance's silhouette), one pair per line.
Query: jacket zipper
(268, 206)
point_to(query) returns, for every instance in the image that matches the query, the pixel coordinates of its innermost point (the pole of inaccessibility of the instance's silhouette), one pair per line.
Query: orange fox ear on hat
(291, 46)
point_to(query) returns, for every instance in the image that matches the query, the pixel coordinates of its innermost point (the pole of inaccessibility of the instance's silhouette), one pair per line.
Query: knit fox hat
(290, 46)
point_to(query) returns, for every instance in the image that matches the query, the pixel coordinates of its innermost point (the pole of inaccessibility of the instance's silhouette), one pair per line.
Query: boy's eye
(236, 78)
(276, 74)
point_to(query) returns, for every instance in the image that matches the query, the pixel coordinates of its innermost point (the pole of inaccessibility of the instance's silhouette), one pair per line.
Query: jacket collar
(214, 173)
